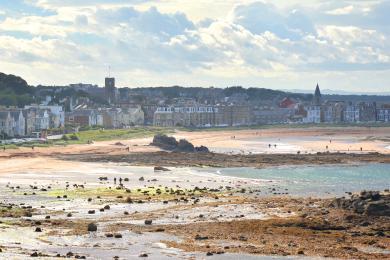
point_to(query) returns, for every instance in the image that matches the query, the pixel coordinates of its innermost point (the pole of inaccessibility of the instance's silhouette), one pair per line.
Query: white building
(56, 113)
(383, 114)
(313, 114)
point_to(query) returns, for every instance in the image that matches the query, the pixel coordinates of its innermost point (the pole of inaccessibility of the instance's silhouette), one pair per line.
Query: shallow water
(316, 180)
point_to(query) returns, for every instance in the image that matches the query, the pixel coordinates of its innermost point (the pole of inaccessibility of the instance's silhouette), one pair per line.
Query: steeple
(317, 96)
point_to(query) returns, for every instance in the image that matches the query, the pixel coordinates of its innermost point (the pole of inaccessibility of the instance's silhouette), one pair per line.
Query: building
(110, 90)
(333, 112)
(198, 115)
(383, 113)
(6, 124)
(84, 118)
(317, 96)
(56, 114)
(18, 123)
(352, 113)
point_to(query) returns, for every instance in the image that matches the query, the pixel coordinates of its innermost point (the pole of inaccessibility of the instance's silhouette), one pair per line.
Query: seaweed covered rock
(171, 144)
(185, 146)
(371, 203)
(165, 142)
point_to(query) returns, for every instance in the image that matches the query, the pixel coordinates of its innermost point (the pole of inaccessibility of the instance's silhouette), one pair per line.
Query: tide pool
(321, 181)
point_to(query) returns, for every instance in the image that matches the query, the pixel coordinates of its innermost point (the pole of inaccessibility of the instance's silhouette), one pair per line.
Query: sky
(342, 45)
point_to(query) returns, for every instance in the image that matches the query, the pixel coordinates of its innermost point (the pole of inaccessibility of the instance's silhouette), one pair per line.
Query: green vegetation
(83, 137)
(14, 91)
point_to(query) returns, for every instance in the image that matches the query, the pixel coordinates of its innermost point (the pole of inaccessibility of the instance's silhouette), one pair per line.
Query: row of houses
(30, 120)
(106, 117)
(196, 115)
(341, 111)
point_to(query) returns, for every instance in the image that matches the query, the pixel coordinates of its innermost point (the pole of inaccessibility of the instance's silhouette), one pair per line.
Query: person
(114, 180)
(120, 180)
(327, 147)
(128, 148)
(361, 149)
(269, 145)
(32, 147)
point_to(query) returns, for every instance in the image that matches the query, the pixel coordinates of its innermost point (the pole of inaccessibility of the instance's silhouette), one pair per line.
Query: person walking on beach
(114, 180)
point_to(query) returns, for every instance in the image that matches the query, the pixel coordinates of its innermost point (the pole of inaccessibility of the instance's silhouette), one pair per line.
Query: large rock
(377, 208)
(170, 144)
(371, 203)
(185, 146)
(165, 142)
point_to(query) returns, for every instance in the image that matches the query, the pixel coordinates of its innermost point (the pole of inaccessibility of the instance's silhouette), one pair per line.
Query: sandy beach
(51, 196)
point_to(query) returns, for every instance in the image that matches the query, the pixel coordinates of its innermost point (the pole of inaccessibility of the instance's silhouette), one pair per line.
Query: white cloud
(253, 41)
(342, 11)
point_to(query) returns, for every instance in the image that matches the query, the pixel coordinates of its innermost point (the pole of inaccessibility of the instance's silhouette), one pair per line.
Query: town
(63, 109)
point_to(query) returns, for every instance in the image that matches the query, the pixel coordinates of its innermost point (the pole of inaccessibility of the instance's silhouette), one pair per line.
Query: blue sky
(343, 45)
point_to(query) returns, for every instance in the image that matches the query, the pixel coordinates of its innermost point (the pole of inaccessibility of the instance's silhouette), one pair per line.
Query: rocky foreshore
(190, 159)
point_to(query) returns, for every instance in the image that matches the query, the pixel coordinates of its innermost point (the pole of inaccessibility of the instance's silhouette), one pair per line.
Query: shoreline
(219, 160)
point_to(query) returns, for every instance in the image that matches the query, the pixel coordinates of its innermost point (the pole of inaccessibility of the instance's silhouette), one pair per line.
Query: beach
(240, 201)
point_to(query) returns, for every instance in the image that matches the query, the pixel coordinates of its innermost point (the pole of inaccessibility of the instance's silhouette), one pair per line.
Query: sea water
(330, 180)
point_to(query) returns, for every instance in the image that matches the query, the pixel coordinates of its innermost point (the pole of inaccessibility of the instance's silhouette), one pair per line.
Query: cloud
(254, 42)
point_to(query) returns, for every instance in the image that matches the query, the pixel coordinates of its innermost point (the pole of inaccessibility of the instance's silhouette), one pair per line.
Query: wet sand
(193, 215)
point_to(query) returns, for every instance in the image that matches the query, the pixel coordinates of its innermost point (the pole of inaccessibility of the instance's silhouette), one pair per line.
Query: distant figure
(3, 148)
(361, 149)
(114, 180)
(120, 181)
(275, 145)
(269, 145)
(128, 148)
(330, 141)
(327, 147)
(32, 147)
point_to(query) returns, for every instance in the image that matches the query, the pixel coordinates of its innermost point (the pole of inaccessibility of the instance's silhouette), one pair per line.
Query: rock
(165, 142)
(160, 168)
(91, 211)
(377, 208)
(92, 227)
(185, 146)
(35, 254)
(141, 179)
(209, 254)
(148, 222)
(202, 149)
(107, 207)
(38, 229)
(118, 235)
(143, 255)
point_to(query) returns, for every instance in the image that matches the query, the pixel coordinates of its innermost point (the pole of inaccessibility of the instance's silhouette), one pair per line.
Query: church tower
(317, 96)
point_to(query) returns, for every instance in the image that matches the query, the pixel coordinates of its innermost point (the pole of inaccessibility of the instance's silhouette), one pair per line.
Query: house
(352, 113)
(6, 123)
(84, 118)
(56, 113)
(383, 114)
(18, 123)
(199, 115)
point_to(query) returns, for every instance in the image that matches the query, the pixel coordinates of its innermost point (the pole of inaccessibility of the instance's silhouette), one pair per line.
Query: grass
(83, 137)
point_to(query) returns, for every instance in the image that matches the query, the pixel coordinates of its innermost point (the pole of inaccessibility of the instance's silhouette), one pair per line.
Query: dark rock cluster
(170, 143)
(371, 203)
